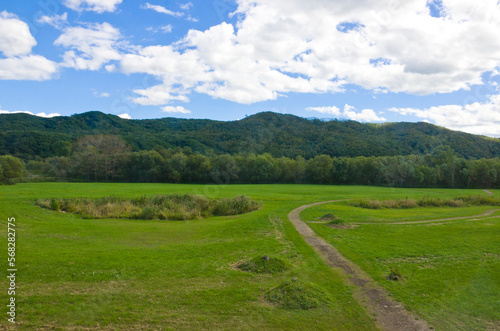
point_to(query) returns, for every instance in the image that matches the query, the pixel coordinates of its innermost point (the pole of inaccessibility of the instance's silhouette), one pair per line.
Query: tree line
(107, 158)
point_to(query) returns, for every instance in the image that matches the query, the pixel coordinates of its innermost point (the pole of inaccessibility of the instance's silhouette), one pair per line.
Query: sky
(368, 60)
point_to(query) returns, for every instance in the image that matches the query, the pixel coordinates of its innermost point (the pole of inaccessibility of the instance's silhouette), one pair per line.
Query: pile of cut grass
(462, 201)
(160, 207)
(296, 294)
(264, 265)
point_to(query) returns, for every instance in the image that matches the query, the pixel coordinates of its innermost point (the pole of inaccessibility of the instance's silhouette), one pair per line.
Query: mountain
(28, 136)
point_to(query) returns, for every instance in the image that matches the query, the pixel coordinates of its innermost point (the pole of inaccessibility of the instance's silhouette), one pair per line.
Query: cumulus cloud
(57, 21)
(175, 109)
(125, 116)
(477, 118)
(215, 63)
(365, 115)
(15, 36)
(317, 46)
(92, 46)
(162, 10)
(16, 43)
(29, 67)
(98, 6)
(30, 113)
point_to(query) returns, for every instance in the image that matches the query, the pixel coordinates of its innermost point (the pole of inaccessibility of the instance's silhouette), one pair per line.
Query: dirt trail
(389, 314)
(486, 213)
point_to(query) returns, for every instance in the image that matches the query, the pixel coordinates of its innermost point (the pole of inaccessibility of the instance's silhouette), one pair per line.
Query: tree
(320, 169)
(12, 167)
(113, 151)
(58, 167)
(198, 168)
(225, 170)
(446, 160)
(145, 166)
(100, 155)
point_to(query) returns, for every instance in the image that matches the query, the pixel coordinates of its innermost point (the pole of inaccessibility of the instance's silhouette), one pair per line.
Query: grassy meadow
(123, 274)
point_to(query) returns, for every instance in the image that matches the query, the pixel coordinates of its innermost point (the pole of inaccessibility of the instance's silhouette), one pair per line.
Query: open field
(146, 274)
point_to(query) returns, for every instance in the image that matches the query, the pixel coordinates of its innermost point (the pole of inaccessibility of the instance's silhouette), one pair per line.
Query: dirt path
(490, 193)
(486, 213)
(389, 314)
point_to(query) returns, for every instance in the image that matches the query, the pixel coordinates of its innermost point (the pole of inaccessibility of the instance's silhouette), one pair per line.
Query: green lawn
(137, 274)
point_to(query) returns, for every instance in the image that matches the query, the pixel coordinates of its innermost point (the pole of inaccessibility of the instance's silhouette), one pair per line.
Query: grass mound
(462, 201)
(161, 207)
(296, 294)
(395, 274)
(328, 217)
(264, 265)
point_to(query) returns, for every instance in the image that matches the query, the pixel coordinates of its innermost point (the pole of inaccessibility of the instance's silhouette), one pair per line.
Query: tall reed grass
(160, 207)
(462, 201)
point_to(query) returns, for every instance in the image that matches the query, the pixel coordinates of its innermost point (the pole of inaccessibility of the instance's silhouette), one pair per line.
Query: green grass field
(122, 274)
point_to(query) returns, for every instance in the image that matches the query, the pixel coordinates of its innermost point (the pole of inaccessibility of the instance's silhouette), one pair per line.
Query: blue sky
(369, 61)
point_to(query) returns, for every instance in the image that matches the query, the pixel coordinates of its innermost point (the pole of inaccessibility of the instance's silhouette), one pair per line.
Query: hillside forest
(433, 161)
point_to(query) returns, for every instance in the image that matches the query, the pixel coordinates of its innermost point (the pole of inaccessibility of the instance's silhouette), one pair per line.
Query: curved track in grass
(439, 220)
(389, 314)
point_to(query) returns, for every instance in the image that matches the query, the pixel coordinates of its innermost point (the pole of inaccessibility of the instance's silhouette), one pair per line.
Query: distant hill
(28, 136)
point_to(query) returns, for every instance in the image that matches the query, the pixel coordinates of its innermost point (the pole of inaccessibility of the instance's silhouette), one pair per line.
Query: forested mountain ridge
(28, 136)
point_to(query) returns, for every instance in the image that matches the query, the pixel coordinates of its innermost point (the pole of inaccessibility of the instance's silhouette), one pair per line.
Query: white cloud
(477, 118)
(281, 46)
(162, 29)
(326, 110)
(102, 94)
(175, 109)
(29, 67)
(57, 21)
(30, 113)
(366, 115)
(162, 10)
(16, 43)
(91, 47)
(125, 116)
(192, 19)
(15, 36)
(187, 6)
(213, 62)
(98, 6)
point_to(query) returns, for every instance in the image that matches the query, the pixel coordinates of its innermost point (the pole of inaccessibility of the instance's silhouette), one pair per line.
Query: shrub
(55, 205)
